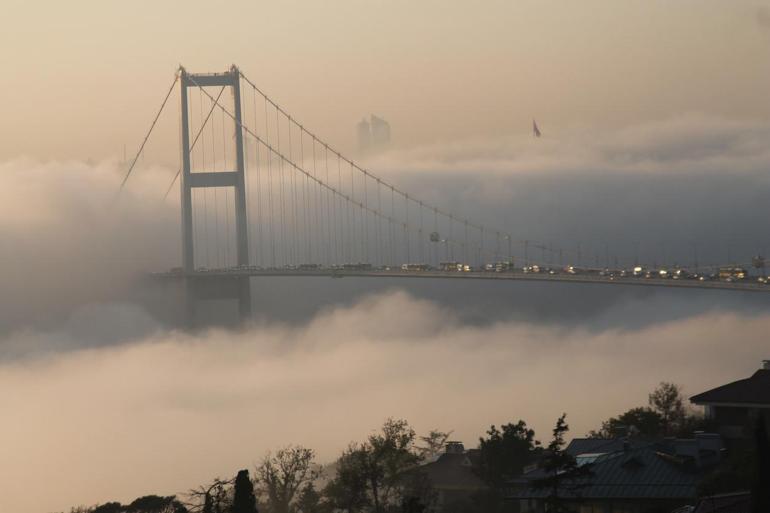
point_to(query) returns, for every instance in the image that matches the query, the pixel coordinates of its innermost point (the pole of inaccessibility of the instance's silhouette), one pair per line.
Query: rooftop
(635, 473)
(754, 390)
(584, 446)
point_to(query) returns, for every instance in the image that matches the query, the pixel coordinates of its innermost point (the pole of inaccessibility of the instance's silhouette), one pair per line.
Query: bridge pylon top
(225, 78)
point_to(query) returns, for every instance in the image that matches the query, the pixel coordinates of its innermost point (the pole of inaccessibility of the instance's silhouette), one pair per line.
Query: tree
(109, 507)
(244, 500)
(668, 402)
(505, 453)
(641, 420)
(433, 444)
(156, 504)
(347, 491)
(145, 504)
(387, 455)
(211, 498)
(309, 500)
(760, 493)
(281, 476)
(665, 415)
(561, 468)
(374, 473)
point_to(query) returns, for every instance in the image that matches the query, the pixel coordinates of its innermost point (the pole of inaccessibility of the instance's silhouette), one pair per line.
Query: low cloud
(173, 410)
(690, 144)
(674, 191)
(70, 241)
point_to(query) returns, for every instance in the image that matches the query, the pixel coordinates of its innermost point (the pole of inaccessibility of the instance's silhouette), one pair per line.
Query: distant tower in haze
(373, 134)
(380, 132)
(535, 129)
(364, 136)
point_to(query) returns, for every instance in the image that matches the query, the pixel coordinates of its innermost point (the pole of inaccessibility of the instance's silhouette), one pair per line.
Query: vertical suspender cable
(227, 201)
(343, 208)
(308, 198)
(366, 221)
(258, 244)
(353, 226)
(284, 245)
(392, 228)
(480, 247)
(294, 228)
(465, 244)
(247, 181)
(406, 232)
(307, 195)
(421, 236)
(330, 202)
(270, 190)
(319, 205)
(435, 244)
(380, 244)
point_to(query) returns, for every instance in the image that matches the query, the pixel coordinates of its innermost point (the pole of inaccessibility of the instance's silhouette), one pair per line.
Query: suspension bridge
(263, 195)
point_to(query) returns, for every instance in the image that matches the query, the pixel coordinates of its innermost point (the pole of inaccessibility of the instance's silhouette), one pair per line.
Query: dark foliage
(665, 415)
(347, 492)
(563, 472)
(505, 453)
(109, 507)
(760, 492)
(244, 500)
(310, 500)
(282, 475)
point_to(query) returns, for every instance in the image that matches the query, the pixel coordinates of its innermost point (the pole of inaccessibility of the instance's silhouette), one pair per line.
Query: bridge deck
(747, 286)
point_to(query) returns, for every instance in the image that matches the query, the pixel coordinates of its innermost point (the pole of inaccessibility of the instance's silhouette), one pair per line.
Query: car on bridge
(450, 266)
(415, 267)
(732, 273)
(357, 267)
(504, 267)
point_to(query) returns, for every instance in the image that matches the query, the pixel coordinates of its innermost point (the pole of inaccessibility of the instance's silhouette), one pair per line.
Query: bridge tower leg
(203, 179)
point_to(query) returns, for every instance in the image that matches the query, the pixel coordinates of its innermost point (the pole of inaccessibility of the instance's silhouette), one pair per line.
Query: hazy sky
(436, 69)
(655, 122)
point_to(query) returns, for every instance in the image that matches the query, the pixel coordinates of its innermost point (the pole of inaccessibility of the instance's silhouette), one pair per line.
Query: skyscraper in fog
(380, 131)
(364, 136)
(373, 134)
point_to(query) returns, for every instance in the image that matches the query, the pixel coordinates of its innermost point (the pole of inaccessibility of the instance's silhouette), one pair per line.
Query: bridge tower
(209, 287)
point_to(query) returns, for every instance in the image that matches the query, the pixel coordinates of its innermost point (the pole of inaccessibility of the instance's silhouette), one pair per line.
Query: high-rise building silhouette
(373, 134)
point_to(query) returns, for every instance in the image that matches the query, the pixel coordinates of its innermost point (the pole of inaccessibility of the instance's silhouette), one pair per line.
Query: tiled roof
(739, 502)
(753, 390)
(643, 472)
(580, 446)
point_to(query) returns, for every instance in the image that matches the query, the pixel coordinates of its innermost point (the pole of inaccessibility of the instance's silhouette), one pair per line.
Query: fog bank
(173, 410)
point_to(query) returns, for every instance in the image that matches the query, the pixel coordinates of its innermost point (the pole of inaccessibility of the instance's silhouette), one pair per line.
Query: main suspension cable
(149, 132)
(321, 184)
(395, 189)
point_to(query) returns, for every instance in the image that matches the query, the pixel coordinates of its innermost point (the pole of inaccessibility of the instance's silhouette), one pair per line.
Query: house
(733, 408)
(452, 476)
(737, 502)
(627, 476)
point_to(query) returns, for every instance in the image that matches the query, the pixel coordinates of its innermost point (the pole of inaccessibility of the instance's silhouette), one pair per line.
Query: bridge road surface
(746, 286)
